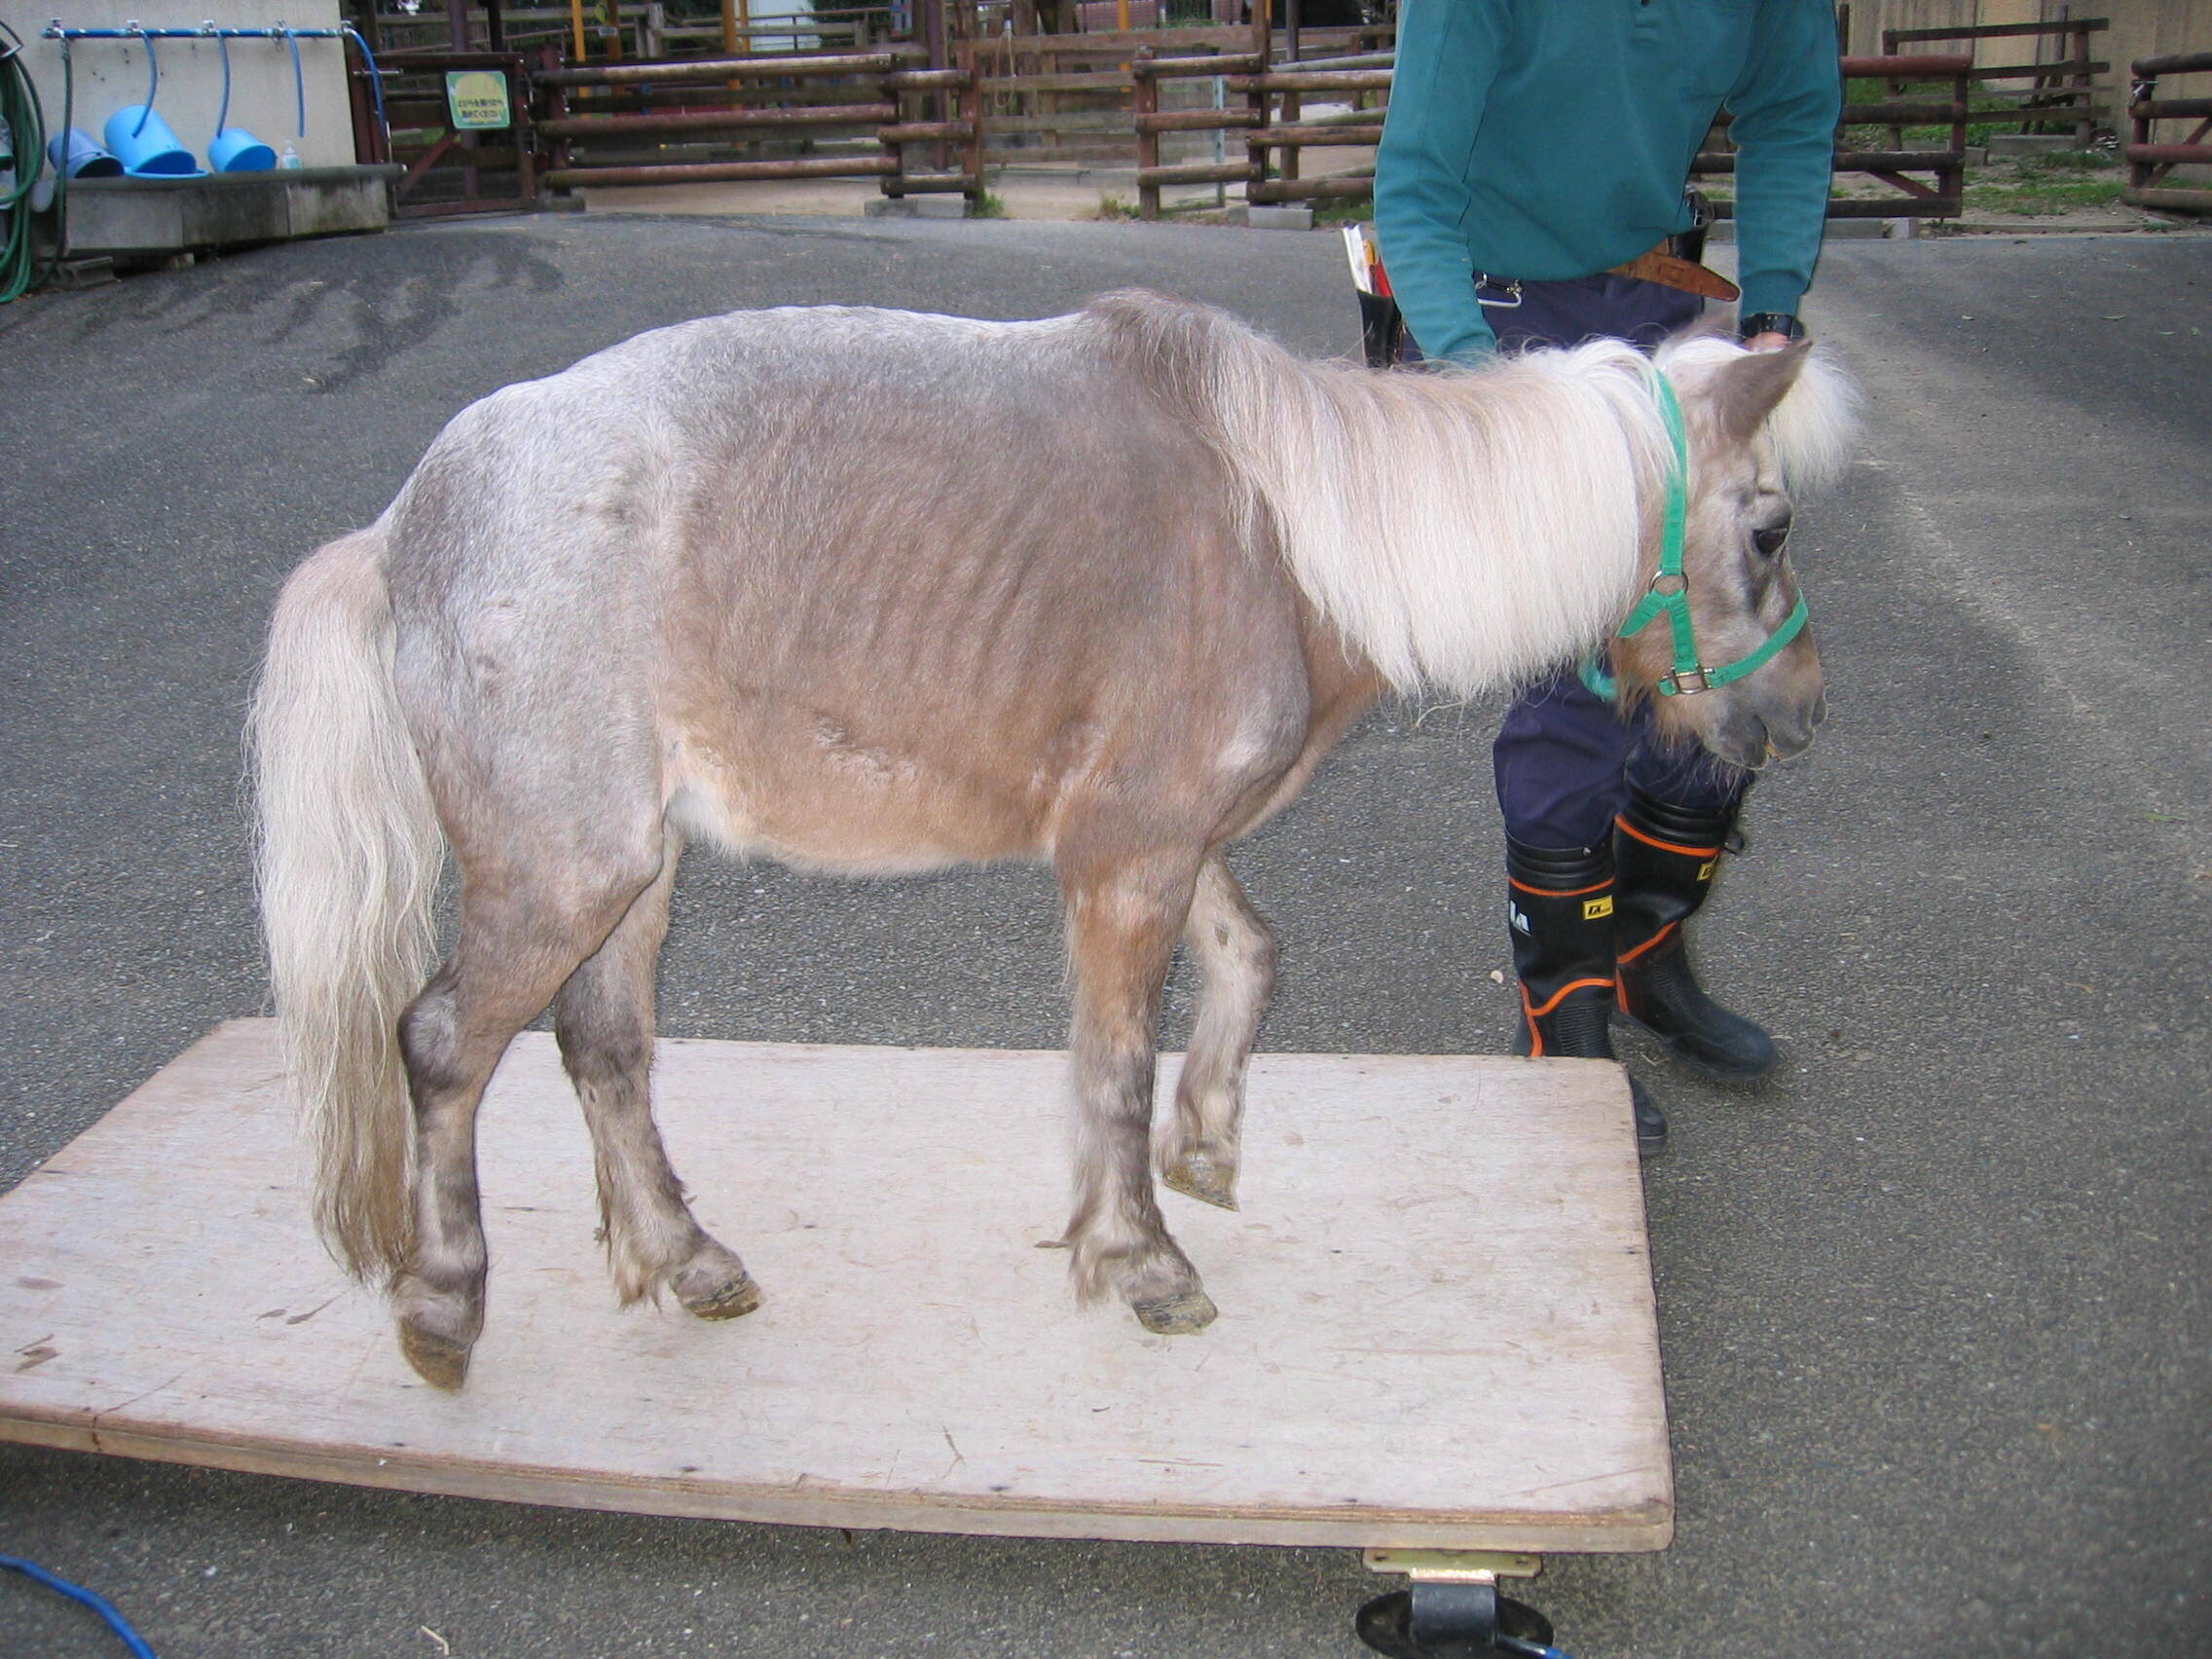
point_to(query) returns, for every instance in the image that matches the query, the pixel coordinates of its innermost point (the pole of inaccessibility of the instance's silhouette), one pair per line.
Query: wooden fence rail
(1942, 198)
(885, 96)
(1269, 121)
(2149, 161)
(2062, 92)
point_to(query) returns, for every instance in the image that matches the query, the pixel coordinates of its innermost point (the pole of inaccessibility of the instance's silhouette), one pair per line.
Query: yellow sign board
(477, 99)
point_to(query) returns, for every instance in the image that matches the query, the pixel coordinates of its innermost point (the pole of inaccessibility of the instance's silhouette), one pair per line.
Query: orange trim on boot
(1624, 826)
(1630, 956)
(1532, 1013)
(1555, 893)
(1560, 996)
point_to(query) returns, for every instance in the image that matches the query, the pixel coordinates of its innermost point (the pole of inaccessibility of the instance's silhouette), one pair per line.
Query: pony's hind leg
(1197, 1147)
(519, 940)
(604, 1019)
(1122, 917)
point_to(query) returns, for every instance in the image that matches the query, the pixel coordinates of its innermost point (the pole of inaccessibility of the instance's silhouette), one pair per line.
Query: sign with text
(477, 99)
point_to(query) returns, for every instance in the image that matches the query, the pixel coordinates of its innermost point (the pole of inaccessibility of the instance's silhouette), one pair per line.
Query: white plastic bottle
(290, 158)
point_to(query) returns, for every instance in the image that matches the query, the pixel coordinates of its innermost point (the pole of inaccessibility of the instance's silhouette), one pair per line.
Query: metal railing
(2149, 161)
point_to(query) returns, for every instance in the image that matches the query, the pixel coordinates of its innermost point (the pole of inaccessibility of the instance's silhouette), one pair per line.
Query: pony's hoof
(440, 1361)
(731, 1299)
(1177, 1317)
(1206, 1179)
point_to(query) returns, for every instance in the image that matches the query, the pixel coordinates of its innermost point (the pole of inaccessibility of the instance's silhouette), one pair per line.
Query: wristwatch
(1770, 322)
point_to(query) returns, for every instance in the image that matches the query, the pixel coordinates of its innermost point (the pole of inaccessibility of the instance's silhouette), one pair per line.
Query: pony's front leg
(1123, 913)
(1236, 950)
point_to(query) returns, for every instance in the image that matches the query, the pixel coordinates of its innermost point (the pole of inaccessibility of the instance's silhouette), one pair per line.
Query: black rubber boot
(1665, 859)
(1559, 912)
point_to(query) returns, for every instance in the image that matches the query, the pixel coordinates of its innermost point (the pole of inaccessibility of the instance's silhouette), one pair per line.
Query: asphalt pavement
(1934, 1300)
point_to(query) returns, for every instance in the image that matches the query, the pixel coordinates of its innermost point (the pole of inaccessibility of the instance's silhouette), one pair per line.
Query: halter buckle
(1685, 681)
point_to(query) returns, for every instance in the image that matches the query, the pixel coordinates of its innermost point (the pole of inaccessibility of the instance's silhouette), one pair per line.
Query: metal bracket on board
(1452, 1608)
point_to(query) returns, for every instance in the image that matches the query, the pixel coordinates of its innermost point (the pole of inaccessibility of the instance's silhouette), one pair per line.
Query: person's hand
(1768, 342)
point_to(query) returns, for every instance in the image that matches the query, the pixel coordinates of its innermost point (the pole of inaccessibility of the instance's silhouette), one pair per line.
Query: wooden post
(2079, 47)
(1263, 45)
(556, 104)
(576, 29)
(971, 146)
(2140, 89)
(1954, 177)
(1144, 101)
(937, 104)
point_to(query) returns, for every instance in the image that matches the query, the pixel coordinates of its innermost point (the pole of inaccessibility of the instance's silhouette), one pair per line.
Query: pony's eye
(1770, 542)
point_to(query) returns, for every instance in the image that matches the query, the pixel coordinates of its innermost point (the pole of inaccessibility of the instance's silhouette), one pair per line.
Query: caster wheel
(1476, 1623)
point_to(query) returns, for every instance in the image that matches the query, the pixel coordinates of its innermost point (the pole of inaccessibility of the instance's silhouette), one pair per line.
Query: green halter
(1670, 590)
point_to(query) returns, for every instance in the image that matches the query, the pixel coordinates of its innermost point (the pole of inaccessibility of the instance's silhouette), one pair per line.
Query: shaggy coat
(872, 592)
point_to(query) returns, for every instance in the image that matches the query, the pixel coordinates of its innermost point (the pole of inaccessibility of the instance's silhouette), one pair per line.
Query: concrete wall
(111, 73)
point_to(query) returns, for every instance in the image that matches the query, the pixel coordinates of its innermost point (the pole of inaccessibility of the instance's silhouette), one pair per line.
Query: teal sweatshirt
(1547, 139)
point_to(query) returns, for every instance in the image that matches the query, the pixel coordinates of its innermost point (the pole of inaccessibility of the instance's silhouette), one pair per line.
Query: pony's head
(1722, 645)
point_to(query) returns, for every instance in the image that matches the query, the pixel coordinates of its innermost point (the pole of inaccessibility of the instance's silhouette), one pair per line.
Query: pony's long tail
(350, 852)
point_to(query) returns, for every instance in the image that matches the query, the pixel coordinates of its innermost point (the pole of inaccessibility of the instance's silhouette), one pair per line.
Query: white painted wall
(111, 74)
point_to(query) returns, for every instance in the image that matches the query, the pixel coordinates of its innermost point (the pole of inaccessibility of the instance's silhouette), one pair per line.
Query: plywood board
(1436, 1328)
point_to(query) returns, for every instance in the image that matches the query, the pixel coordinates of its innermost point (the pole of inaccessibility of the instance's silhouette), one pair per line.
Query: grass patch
(2050, 183)
(1116, 208)
(1343, 210)
(987, 206)
(2043, 194)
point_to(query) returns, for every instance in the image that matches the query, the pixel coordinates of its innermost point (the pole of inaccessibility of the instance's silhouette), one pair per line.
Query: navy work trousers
(1565, 756)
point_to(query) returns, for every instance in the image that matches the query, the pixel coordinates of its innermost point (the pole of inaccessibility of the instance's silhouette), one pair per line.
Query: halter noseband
(1669, 594)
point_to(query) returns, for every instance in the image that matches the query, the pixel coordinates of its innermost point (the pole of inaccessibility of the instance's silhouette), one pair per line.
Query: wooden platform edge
(114, 1431)
(1648, 1529)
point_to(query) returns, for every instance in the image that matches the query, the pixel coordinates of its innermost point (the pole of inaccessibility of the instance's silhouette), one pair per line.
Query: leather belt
(1673, 272)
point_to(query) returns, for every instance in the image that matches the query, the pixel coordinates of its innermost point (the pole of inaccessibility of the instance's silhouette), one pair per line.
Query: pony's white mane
(1462, 529)
(1465, 530)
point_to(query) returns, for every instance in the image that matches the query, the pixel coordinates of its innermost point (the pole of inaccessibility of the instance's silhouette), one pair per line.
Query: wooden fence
(611, 123)
(1269, 120)
(2149, 161)
(631, 31)
(1941, 194)
(2062, 91)
(1077, 97)
(449, 168)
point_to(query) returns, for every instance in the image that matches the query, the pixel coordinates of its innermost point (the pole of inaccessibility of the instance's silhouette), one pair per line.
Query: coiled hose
(27, 127)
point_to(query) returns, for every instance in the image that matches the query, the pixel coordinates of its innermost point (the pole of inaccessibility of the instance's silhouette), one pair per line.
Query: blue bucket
(153, 151)
(235, 150)
(85, 159)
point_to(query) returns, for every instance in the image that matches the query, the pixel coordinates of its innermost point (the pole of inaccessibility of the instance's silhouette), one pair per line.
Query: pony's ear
(1746, 389)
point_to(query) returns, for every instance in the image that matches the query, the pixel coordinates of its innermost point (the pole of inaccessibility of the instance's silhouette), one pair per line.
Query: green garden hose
(26, 130)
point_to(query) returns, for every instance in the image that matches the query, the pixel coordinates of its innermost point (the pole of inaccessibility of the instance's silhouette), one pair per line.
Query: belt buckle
(1512, 287)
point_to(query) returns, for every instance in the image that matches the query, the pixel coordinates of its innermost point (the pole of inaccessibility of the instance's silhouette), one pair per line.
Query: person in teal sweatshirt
(1532, 146)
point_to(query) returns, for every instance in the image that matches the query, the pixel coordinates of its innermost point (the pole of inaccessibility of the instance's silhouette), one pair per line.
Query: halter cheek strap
(1669, 594)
